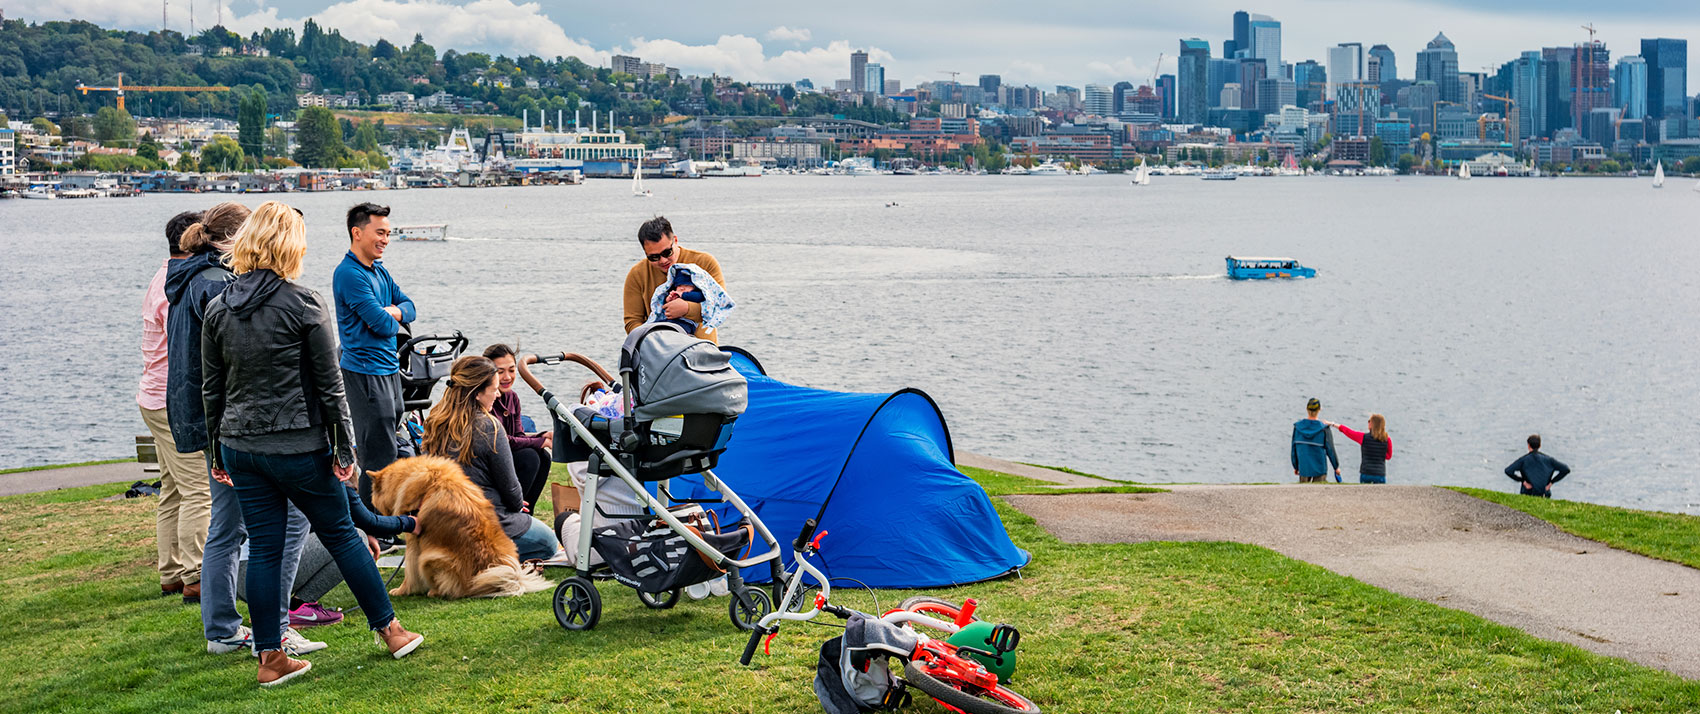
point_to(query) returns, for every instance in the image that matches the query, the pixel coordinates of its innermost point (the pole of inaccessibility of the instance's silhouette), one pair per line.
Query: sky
(1044, 44)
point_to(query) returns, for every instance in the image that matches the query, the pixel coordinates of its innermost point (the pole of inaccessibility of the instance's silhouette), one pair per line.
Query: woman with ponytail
(1377, 449)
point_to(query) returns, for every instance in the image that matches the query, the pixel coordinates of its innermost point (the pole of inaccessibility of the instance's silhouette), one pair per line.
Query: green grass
(1068, 470)
(64, 466)
(1001, 484)
(1159, 627)
(1667, 536)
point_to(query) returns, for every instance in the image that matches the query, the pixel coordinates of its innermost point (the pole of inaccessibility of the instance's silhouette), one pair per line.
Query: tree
(186, 164)
(366, 138)
(1218, 157)
(148, 149)
(1406, 161)
(251, 123)
(1377, 152)
(43, 126)
(318, 138)
(114, 125)
(222, 154)
(277, 143)
(4, 122)
(1692, 165)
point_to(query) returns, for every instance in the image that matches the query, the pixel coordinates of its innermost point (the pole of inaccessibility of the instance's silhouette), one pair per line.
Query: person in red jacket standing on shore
(1377, 449)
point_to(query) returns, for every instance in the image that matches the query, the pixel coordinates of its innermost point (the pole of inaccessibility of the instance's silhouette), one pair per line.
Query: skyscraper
(1556, 88)
(1438, 63)
(1345, 65)
(873, 79)
(1667, 76)
(1590, 81)
(1264, 33)
(1528, 89)
(1194, 68)
(989, 84)
(1118, 96)
(858, 71)
(1310, 82)
(1166, 90)
(1252, 69)
(1242, 36)
(1629, 80)
(1097, 99)
(1386, 67)
(1222, 72)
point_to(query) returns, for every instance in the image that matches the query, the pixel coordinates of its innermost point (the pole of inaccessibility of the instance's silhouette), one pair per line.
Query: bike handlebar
(755, 639)
(802, 543)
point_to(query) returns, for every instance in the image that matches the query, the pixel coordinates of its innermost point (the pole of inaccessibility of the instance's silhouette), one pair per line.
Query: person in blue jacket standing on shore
(1313, 447)
(1537, 471)
(370, 310)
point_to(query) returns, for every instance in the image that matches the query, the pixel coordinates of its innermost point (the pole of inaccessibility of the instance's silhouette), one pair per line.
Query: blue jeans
(1366, 478)
(537, 542)
(225, 533)
(267, 485)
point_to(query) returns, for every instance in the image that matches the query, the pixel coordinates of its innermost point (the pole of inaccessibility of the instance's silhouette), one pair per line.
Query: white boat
(421, 232)
(1142, 175)
(1048, 168)
(747, 167)
(1464, 171)
(40, 194)
(1219, 175)
(637, 179)
(1659, 176)
(1014, 170)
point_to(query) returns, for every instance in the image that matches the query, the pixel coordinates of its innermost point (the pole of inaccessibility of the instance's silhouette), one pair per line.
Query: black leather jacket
(269, 364)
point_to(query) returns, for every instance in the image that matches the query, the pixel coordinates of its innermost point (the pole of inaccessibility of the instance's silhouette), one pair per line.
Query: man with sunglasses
(661, 251)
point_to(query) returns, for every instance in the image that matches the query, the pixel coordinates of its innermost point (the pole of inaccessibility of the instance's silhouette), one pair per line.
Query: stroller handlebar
(557, 358)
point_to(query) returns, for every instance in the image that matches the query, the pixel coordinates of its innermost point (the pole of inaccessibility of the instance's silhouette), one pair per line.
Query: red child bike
(949, 673)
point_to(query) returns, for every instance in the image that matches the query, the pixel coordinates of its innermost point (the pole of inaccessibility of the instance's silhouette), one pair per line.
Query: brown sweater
(645, 277)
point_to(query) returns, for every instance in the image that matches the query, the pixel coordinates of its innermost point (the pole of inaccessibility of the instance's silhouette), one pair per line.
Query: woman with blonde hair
(462, 429)
(277, 416)
(1377, 449)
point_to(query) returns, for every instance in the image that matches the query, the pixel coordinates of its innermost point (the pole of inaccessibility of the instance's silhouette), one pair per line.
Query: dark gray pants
(374, 403)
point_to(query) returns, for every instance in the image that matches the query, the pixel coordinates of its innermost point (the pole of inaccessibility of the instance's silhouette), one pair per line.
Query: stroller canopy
(900, 514)
(679, 374)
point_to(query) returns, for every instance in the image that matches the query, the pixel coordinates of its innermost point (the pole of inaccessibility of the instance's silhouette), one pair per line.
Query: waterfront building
(8, 154)
(1264, 33)
(1382, 65)
(778, 153)
(1345, 66)
(1629, 85)
(1082, 146)
(1193, 80)
(1166, 91)
(859, 71)
(1350, 148)
(1667, 76)
(1098, 99)
(1438, 63)
(1395, 136)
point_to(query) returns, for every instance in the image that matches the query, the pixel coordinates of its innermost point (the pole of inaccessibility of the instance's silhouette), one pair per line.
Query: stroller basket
(656, 560)
(664, 448)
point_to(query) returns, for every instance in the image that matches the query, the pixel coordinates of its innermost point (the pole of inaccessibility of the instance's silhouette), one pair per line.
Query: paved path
(73, 476)
(1428, 543)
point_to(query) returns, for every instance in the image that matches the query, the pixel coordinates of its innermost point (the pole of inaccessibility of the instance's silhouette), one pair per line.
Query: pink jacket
(150, 393)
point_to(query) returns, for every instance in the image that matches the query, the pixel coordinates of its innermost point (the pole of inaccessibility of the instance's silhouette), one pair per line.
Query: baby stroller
(424, 361)
(680, 397)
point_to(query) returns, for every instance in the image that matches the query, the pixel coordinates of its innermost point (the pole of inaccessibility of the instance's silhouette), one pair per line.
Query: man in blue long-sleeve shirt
(1537, 471)
(370, 309)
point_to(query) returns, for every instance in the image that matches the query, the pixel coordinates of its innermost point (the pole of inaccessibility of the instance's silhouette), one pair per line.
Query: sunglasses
(656, 257)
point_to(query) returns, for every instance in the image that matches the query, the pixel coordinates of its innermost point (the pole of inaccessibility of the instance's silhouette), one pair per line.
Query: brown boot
(171, 589)
(192, 594)
(398, 639)
(277, 668)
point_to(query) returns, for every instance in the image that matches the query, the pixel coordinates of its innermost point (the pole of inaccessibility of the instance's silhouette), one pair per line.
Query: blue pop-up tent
(897, 512)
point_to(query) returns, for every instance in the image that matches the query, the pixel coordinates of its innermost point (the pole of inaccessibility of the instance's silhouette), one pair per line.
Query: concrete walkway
(72, 477)
(1428, 543)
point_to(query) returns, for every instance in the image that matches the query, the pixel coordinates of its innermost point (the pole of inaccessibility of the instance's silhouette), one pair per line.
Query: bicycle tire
(967, 703)
(910, 603)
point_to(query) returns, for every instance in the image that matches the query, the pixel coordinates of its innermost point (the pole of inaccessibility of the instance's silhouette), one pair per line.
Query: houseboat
(1246, 268)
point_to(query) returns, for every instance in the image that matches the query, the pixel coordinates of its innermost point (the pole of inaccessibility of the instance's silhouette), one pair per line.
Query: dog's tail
(507, 579)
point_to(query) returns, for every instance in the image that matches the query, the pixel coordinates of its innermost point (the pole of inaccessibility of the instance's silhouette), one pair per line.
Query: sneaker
(398, 640)
(244, 637)
(276, 668)
(312, 614)
(389, 544)
(297, 644)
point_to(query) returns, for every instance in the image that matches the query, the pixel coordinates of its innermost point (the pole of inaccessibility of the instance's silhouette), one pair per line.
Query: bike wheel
(661, 600)
(577, 604)
(748, 607)
(928, 604)
(999, 700)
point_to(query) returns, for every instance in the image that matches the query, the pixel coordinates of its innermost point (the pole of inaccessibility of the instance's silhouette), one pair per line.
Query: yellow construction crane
(1513, 122)
(121, 88)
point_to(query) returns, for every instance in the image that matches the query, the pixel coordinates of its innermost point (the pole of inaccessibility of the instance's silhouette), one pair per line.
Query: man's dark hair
(175, 227)
(497, 351)
(654, 229)
(1535, 441)
(361, 214)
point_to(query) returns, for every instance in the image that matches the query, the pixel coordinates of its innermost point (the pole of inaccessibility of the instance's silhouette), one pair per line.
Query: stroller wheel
(577, 604)
(659, 601)
(748, 607)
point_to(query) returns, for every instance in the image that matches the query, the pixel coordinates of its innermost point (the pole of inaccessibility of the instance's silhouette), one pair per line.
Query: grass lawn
(1667, 536)
(1161, 627)
(1002, 484)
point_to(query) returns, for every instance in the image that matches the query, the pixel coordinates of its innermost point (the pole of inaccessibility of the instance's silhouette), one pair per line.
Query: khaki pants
(185, 505)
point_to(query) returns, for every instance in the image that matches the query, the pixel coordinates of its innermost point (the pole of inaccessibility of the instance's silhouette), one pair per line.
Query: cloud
(786, 34)
(1119, 70)
(744, 58)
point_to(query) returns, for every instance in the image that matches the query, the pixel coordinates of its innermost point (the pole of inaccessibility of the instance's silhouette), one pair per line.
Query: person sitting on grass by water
(1377, 448)
(531, 451)
(1313, 447)
(279, 422)
(461, 429)
(1537, 471)
(661, 251)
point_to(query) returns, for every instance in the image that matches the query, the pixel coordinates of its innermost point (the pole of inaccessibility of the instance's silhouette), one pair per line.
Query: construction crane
(1513, 123)
(1590, 28)
(121, 88)
(1156, 70)
(952, 75)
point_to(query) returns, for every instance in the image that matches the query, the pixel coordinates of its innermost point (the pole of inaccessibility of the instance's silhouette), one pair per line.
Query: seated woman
(460, 428)
(531, 451)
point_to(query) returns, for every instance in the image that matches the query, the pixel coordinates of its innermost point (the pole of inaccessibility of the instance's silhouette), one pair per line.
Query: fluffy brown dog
(461, 550)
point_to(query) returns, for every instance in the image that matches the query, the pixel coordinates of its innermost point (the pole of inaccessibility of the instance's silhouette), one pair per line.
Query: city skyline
(1073, 45)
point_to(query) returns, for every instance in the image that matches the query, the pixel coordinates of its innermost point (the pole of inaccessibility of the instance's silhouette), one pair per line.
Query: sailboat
(1659, 176)
(1142, 175)
(637, 179)
(1464, 171)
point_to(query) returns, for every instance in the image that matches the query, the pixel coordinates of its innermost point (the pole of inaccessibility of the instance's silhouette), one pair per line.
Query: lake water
(1073, 321)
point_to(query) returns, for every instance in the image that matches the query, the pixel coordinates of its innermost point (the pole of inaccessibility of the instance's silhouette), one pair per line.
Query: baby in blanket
(682, 289)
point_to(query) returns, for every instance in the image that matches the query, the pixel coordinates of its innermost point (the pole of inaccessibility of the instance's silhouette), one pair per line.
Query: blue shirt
(366, 329)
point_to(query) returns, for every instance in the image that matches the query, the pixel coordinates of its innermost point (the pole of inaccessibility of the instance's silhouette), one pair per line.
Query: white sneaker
(244, 637)
(296, 643)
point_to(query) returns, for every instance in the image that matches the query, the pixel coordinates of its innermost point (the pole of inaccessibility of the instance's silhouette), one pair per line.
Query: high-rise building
(1065, 97)
(1345, 65)
(1232, 97)
(1528, 89)
(1310, 82)
(8, 153)
(1166, 90)
(1118, 96)
(1667, 76)
(1557, 87)
(1222, 72)
(1629, 85)
(893, 87)
(989, 84)
(1097, 99)
(1252, 69)
(1385, 66)
(873, 78)
(858, 71)
(1194, 81)
(1590, 82)
(1264, 32)
(1438, 63)
(1357, 106)
(1242, 36)
(1273, 93)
